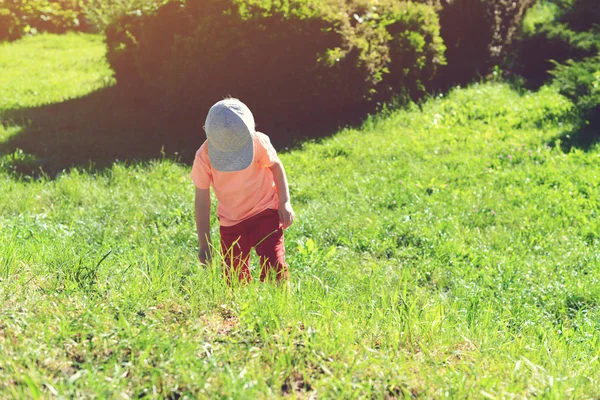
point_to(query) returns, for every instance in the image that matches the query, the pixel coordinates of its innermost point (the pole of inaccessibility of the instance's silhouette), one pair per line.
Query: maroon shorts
(264, 232)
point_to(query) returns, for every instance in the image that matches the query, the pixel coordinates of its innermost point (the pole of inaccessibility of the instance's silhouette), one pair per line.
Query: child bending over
(252, 192)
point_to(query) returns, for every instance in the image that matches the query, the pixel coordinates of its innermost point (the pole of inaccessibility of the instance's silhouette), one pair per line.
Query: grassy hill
(449, 249)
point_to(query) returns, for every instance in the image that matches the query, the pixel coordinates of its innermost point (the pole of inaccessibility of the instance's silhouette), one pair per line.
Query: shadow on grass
(583, 137)
(94, 131)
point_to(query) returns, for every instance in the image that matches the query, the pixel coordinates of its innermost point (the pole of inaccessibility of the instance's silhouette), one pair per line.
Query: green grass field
(445, 250)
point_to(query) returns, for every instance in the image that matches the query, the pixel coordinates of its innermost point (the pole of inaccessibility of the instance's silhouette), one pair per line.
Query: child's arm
(286, 214)
(202, 207)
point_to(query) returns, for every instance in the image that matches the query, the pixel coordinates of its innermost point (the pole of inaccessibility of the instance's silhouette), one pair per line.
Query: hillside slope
(443, 250)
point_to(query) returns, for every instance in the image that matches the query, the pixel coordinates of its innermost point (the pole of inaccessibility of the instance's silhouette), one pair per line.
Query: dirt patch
(226, 311)
(396, 392)
(169, 312)
(393, 393)
(461, 352)
(217, 325)
(295, 384)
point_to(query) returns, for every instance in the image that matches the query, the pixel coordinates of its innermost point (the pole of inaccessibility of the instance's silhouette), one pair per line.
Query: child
(251, 188)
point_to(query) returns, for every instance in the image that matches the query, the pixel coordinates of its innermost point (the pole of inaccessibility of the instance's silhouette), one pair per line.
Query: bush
(565, 32)
(101, 13)
(478, 34)
(581, 15)
(10, 28)
(274, 59)
(537, 54)
(580, 82)
(296, 60)
(565, 47)
(416, 49)
(18, 17)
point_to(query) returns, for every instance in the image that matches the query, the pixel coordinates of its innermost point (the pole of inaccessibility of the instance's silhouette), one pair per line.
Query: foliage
(101, 13)
(18, 17)
(536, 54)
(416, 50)
(581, 15)
(9, 22)
(445, 250)
(565, 45)
(278, 53)
(29, 17)
(556, 31)
(580, 82)
(478, 34)
(541, 13)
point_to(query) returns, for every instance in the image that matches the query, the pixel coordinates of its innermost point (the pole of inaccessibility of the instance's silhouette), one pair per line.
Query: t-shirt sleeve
(265, 152)
(201, 175)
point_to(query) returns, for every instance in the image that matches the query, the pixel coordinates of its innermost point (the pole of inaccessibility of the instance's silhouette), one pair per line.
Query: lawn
(448, 249)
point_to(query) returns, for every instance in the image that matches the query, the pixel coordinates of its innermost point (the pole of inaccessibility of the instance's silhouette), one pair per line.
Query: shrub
(478, 34)
(18, 17)
(581, 15)
(416, 49)
(131, 52)
(537, 54)
(10, 28)
(566, 47)
(296, 60)
(580, 82)
(565, 32)
(101, 13)
(272, 58)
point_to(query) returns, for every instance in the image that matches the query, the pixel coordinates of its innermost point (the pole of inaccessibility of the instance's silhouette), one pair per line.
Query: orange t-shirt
(241, 194)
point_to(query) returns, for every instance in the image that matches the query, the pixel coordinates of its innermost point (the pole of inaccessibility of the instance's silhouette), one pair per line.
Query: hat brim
(231, 161)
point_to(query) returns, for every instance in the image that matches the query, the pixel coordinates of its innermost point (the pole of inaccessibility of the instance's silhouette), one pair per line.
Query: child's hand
(204, 257)
(286, 214)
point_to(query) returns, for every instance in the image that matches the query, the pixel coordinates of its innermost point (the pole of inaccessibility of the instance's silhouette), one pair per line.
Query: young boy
(252, 192)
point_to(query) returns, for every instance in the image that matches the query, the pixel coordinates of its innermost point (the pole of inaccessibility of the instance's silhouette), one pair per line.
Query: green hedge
(101, 13)
(537, 53)
(10, 27)
(478, 34)
(563, 44)
(18, 17)
(580, 82)
(297, 60)
(566, 32)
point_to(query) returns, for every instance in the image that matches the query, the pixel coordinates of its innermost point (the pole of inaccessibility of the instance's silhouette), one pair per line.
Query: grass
(60, 109)
(447, 250)
(51, 69)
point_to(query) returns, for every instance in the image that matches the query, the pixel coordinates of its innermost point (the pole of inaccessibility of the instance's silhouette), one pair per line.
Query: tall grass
(445, 250)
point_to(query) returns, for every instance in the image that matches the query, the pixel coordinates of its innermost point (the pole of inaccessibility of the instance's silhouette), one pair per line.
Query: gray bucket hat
(230, 132)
